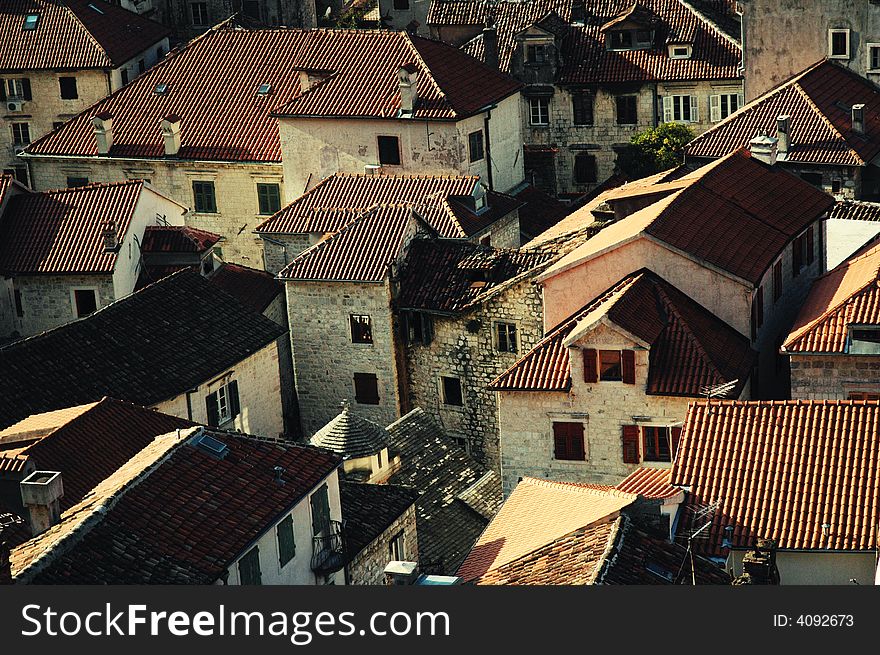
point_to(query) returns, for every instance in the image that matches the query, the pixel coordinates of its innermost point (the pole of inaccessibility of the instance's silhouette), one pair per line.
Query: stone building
(850, 225)
(189, 18)
(65, 254)
(59, 58)
(607, 390)
(742, 237)
(292, 107)
(595, 73)
(825, 121)
(834, 345)
(456, 207)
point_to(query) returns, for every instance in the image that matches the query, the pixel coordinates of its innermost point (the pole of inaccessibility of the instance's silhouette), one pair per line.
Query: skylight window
(30, 21)
(160, 89)
(264, 90)
(94, 8)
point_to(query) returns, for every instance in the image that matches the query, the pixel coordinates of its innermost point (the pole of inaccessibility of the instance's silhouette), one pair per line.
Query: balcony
(328, 550)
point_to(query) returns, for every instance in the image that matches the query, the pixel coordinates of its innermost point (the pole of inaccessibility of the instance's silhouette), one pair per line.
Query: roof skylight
(30, 21)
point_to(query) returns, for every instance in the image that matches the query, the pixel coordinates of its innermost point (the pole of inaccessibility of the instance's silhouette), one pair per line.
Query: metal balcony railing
(328, 550)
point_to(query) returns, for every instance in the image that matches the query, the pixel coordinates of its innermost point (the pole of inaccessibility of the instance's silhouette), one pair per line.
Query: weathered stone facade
(368, 566)
(833, 377)
(188, 23)
(47, 300)
(281, 249)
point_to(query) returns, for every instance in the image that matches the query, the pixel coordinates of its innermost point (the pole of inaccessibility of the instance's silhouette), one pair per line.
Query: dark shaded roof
(148, 347)
(60, 232)
(224, 119)
(175, 513)
(856, 210)
(327, 206)
(72, 34)
(540, 211)
(351, 435)
(451, 276)
(251, 287)
(818, 102)
(177, 238)
(690, 348)
(370, 509)
(435, 465)
(782, 469)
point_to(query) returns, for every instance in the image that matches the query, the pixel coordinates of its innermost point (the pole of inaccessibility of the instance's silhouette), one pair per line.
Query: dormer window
(480, 197)
(536, 54)
(621, 41)
(30, 22)
(680, 51)
(629, 40)
(864, 340)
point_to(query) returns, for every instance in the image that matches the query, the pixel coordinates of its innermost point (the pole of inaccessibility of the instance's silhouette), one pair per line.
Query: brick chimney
(858, 119)
(763, 148)
(783, 135)
(759, 564)
(41, 494)
(103, 124)
(171, 134)
(108, 235)
(408, 82)
(490, 45)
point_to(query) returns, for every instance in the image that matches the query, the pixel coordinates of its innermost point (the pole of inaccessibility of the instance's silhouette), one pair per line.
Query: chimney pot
(783, 134)
(490, 45)
(108, 234)
(858, 118)
(41, 493)
(763, 148)
(408, 83)
(103, 127)
(171, 134)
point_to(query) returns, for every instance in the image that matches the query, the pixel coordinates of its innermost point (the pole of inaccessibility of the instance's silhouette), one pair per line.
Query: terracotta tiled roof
(689, 347)
(251, 287)
(537, 513)
(448, 276)
(847, 295)
(151, 346)
(6, 183)
(540, 211)
(224, 118)
(650, 483)
(448, 480)
(819, 102)
(737, 213)
(177, 238)
(61, 231)
(351, 435)
(856, 210)
(782, 470)
(327, 206)
(370, 509)
(73, 34)
(342, 256)
(175, 513)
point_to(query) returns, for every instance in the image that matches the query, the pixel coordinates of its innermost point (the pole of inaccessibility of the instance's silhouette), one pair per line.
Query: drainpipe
(486, 120)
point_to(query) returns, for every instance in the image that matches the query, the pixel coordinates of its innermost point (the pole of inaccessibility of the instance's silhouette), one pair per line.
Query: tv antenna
(718, 390)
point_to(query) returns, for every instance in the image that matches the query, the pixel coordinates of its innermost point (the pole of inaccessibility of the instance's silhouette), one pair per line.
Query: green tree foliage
(655, 149)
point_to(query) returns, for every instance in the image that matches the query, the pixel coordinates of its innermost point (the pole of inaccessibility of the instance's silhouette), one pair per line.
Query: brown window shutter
(675, 438)
(591, 365)
(576, 441)
(628, 366)
(810, 245)
(560, 442)
(631, 444)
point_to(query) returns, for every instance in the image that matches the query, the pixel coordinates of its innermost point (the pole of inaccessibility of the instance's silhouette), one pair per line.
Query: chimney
(399, 573)
(783, 134)
(103, 124)
(759, 564)
(858, 119)
(763, 148)
(41, 493)
(108, 235)
(279, 473)
(408, 81)
(490, 45)
(171, 134)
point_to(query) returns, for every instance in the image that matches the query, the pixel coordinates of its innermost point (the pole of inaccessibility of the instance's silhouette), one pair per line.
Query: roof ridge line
(824, 119)
(611, 547)
(88, 32)
(407, 37)
(712, 24)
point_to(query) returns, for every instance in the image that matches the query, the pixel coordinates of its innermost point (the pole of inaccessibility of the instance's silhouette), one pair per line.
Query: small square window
(73, 181)
(539, 111)
(269, 198)
(389, 150)
(68, 88)
(451, 388)
(361, 328)
(610, 368)
(838, 44)
(475, 146)
(505, 337)
(205, 199)
(627, 110)
(397, 548)
(30, 21)
(85, 302)
(366, 388)
(536, 54)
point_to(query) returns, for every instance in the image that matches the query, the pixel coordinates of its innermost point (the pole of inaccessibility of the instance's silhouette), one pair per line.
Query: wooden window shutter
(695, 110)
(668, 116)
(2, 89)
(811, 244)
(628, 366)
(560, 443)
(631, 444)
(26, 88)
(213, 410)
(234, 403)
(675, 437)
(576, 441)
(715, 108)
(796, 256)
(591, 365)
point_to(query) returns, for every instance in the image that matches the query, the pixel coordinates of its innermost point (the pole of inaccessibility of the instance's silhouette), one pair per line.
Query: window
(609, 365)
(864, 340)
(582, 108)
(656, 446)
(656, 443)
(320, 504)
(505, 337)
(366, 388)
(85, 301)
(199, 13)
(286, 543)
(812, 178)
(401, 5)
(19, 309)
(451, 388)
(723, 105)
(626, 110)
(397, 548)
(838, 44)
(757, 318)
(205, 200)
(802, 252)
(680, 52)
(142, 65)
(416, 328)
(486, 240)
(475, 145)
(21, 134)
(389, 151)
(864, 395)
(539, 111)
(223, 405)
(57, 125)
(269, 198)
(73, 181)
(568, 441)
(536, 54)
(68, 88)
(680, 109)
(777, 280)
(836, 186)
(124, 76)
(585, 170)
(249, 568)
(19, 173)
(620, 40)
(30, 22)
(874, 57)
(18, 88)
(361, 328)
(160, 52)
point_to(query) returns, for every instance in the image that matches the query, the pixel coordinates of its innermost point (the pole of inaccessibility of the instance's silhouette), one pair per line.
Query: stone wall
(503, 233)
(276, 256)
(833, 377)
(368, 567)
(47, 300)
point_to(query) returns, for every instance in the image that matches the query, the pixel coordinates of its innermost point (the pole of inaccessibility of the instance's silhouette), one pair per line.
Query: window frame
(564, 440)
(507, 327)
(401, 5)
(444, 391)
(203, 195)
(387, 139)
(579, 101)
(361, 336)
(206, 17)
(688, 51)
(75, 181)
(576, 168)
(657, 439)
(225, 401)
(832, 32)
(322, 494)
(397, 547)
(676, 105)
(75, 304)
(67, 80)
(619, 364)
(617, 113)
(361, 397)
(870, 48)
(21, 133)
(19, 304)
(539, 107)
(267, 203)
(476, 146)
(532, 56)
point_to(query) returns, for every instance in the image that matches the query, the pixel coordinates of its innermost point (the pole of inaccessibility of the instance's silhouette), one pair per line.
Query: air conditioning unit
(14, 105)
(372, 169)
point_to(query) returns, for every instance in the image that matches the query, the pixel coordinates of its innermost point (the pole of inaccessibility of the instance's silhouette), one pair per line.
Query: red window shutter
(560, 444)
(810, 245)
(591, 365)
(628, 366)
(631, 444)
(676, 437)
(576, 441)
